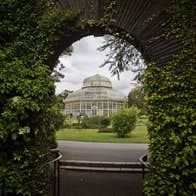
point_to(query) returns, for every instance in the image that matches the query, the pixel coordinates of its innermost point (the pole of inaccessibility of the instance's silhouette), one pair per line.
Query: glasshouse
(96, 98)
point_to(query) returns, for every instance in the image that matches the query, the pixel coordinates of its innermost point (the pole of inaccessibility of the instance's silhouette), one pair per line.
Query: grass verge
(139, 135)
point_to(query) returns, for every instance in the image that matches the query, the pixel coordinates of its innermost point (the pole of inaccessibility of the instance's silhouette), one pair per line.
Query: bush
(124, 121)
(94, 122)
(66, 125)
(84, 122)
(104, 122)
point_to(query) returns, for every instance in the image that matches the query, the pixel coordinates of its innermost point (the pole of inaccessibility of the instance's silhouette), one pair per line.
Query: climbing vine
(171, 100)
(170, 97)
(107, 21)
(27, 35)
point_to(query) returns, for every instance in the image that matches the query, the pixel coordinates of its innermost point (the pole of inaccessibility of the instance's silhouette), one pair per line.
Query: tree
(56, 116)
(60, 97)
(122, 56)
(124, 121)
(136, 98)
(57, 74)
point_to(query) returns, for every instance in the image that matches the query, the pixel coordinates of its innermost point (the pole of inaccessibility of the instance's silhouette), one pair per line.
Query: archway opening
(85, 61)
(102, 92)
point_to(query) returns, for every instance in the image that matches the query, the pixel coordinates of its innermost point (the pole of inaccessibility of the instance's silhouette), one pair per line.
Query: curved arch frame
(160, 53)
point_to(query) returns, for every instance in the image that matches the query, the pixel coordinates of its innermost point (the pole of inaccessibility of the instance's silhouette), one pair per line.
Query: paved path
(77, 183)
(101, 151)
(85, 183)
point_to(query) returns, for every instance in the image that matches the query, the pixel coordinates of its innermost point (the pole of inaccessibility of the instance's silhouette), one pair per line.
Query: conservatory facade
(96, 98)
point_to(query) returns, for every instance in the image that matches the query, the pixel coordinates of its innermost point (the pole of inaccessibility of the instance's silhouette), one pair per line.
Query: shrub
(66, 125)
(94, 122)
(104, 122)
(84, 122)
(56, 118)
(124, 121)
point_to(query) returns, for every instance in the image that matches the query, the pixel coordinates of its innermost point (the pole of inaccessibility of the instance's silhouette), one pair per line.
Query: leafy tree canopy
(136, 98)
(122, 56)
(60, 97)
(57, 73)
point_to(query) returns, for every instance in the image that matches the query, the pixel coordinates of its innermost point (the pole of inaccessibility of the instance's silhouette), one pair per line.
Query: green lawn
(139, 135)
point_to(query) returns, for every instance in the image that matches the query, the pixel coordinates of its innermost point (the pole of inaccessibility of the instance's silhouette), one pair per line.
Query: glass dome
(95, 94)
(95, 98)
(97, 81)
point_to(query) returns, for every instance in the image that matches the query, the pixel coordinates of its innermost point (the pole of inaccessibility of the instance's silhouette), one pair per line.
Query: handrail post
(56, 187)
(143, 173)
(54, 190)
(144, 162)
(58, 191)
(3, 188)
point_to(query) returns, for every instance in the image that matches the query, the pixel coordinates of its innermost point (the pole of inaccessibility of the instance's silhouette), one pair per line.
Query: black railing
(146, 168)
(53, 162)
(145, 164)
(56, 173)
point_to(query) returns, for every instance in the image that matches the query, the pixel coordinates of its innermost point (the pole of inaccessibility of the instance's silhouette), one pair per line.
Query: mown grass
(139, 135)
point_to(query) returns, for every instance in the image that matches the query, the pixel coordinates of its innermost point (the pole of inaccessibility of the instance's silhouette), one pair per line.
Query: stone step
(102, 169)
(101, 166)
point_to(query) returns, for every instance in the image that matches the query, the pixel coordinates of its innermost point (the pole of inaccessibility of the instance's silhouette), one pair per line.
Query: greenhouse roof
(96, 87)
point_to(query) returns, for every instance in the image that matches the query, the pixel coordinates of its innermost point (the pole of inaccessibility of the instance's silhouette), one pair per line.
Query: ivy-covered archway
(33, 35)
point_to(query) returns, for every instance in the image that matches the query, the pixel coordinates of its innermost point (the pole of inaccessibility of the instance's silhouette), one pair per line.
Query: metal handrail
(145, 164)
(56, 167)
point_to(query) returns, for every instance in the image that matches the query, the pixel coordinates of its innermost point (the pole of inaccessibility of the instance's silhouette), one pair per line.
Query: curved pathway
(90, 183)
(101, 151)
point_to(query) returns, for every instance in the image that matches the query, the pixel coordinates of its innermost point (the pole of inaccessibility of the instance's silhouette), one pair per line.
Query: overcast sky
(84, 62)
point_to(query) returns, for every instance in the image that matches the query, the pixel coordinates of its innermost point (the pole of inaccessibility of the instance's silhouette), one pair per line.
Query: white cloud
(84, 62)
